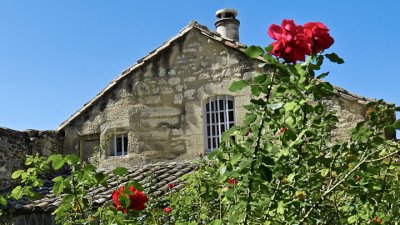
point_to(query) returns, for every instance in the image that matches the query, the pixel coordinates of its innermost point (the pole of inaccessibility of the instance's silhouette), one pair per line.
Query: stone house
(165, 109)
(174, 102)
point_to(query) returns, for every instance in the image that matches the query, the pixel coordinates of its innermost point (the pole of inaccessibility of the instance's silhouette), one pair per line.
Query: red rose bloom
(167, 210)
(319, 36)
(170, 186)
(291, 42)
(377, 220)
(232, 183)
(136, 197)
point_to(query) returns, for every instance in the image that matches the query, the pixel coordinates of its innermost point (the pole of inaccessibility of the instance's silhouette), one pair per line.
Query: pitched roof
(153, 177)
(204, 31)
(192, 25)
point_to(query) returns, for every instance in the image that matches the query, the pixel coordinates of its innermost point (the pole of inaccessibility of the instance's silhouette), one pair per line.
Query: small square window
(120, 144)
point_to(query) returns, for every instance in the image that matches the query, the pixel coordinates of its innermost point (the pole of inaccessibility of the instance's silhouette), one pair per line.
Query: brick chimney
(227, 25)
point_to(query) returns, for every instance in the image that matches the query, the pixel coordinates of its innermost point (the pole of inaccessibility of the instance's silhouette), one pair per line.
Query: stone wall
(160, 104)
(15, 145)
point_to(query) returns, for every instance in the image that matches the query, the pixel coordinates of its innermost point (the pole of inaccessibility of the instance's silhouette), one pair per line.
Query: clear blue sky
(57, 55)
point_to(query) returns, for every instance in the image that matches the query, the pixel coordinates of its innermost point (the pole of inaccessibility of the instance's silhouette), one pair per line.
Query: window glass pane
(230, 104)
(213, 118)
(222, 116)
(208, 107)
(221, 105)
(119, 145)
(208, 131)
(209, 143)
(213, 131)
(231, 116)
(208, 118)
(212, 106)
(125, 144)
(214, 143)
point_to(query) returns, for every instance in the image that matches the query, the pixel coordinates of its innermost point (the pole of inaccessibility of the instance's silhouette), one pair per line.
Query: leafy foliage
(289, 167)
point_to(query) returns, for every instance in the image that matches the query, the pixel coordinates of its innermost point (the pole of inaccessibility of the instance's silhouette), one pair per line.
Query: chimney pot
(227, 25)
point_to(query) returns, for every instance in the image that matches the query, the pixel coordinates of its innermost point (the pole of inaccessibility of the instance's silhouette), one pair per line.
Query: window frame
(114, 149)
(215, 116)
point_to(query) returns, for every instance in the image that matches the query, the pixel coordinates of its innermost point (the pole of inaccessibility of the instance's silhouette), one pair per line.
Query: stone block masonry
(16, 145)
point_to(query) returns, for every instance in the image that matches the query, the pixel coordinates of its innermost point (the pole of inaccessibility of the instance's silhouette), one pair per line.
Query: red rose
(291, 42)
(170, 186)
(319, 36)
(115, 195)
(232, 183)
(377, 220)
(167, 210)
(136, 197)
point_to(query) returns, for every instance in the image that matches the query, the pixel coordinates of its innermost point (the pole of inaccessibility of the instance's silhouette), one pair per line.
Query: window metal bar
(115, 144)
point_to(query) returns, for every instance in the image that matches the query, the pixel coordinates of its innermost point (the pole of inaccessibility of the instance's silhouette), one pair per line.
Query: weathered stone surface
(16, 145)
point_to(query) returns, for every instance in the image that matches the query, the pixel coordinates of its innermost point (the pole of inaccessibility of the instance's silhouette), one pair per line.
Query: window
(120, 144)
(219, 116)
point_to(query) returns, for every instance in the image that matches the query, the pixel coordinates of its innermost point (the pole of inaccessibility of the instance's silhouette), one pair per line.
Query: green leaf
(228, 133)
(101, 178)
(333, 57)
(291, 177)
(322, 75)
(265, 172)
(260, 78)
(57, 161)
(17, 192)
(119, 171)
(250, 118)
(268, 48)
(216, 222)
(255, 90)
(258, 101)
(17, 174)
(352, 219)
(222, 169)
(238, 85)
(135, 185)
(396, 125)
(281, 208)
(254, 51)
(90, 167)
(324, 172)
(290, 106)
(3, 201)
(124, 200)
(58, 187)
(72, 159)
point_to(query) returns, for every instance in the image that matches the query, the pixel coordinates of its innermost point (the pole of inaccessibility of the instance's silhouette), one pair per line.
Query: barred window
(219, 116)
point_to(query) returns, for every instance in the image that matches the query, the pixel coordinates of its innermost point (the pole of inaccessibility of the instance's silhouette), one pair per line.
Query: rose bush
(291, 167)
